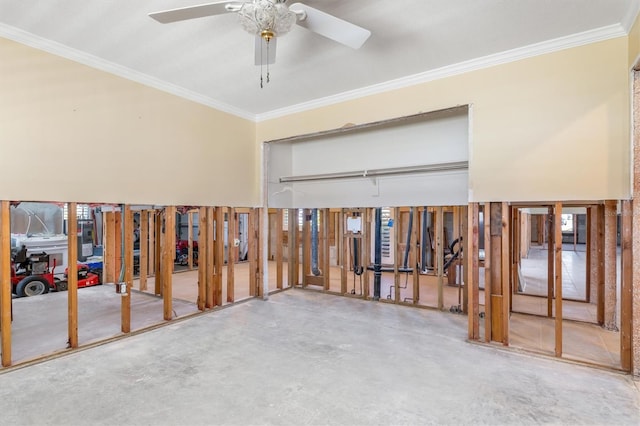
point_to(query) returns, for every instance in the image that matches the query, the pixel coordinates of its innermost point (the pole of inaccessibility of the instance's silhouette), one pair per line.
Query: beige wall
(634, 42)
(552, 127)
(69, 132)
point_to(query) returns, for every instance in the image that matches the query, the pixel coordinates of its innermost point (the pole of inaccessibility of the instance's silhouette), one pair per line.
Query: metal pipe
(314, 243)
(377, 258)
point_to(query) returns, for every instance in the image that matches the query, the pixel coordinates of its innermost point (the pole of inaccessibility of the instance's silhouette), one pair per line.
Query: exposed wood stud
(292, 255)
(219, 256)
(588, 256)
(279, 248)
(415, 254)
(306, 246)
(190, 240)
(398, 253)
(125, 300)
(550, 261)
(557, 238)
(209, 282)
(143, 260)
(109, 247)
(202, 257)
(610, 245)
(465, 258)
(626, 293)
(169, 250)
(72, 275)
(152, 242)
(253, 255)
(600, 264)
(158, 267)
(473, 286)
(5, 282)
(440, 256)
(231, 254)
(506, 269)
(345, 253)
(366, 249)
(488, 285)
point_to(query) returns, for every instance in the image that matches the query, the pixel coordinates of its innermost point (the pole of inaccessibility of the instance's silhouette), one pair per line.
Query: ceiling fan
(269, 19)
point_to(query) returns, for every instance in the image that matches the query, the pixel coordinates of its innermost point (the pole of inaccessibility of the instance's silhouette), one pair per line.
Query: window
(567, 223)
(82, 210)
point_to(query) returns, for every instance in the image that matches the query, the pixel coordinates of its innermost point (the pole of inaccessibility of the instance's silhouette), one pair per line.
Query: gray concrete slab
(309, 358)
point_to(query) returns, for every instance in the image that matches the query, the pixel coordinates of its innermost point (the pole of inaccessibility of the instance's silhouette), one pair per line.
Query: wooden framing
(550, 260)
(143, 262)
(588, 256)
(506, 269)
(366, 250)
(415, 255)
(158, 259)
(610, 244)
(600, 233)
(109, 242)
(255, 290)
(151, 262)
(488, 285)
(168, 254)
(72, 275)
(440, 256)
(557, 238)
(398, 253)
(219, 256)
(626, 292)
(203, 246)
(5, 282)
(125, 300)
(117, 252)
(292, 246)
(324, 249)
(190, 239)
(345, 251)
(209, 281)
(279, 248)
(472, 287)
(500, 269)
(231, 255)
(306, 246)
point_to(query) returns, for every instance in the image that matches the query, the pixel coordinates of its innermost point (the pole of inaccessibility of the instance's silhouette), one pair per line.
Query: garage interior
(483, 205)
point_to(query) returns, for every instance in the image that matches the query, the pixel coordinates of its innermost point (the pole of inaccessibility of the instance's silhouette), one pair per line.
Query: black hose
(357, 268)
(377, 259)
(405, 264)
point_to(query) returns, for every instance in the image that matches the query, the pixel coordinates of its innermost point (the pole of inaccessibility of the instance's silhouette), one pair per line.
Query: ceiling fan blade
(331, 27)
(265, 54)
(192, 12)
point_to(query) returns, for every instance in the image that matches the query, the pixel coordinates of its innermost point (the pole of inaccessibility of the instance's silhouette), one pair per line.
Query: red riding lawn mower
(32, 276)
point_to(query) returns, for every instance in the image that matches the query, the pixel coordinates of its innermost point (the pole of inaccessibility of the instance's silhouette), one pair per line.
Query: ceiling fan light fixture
(266, 17)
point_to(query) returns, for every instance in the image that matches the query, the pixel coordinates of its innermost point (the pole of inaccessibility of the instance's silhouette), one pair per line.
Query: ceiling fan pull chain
(261, 56)
(268, 40)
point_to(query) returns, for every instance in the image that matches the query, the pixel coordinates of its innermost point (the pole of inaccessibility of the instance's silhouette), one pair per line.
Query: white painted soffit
(554, 45)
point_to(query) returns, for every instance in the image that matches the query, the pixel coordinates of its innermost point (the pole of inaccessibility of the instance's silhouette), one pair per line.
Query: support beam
(326, 255)
(440, 255)
(398, 253)
(472, 287)
(306, 246)
(610, 245)
(415, 254)
(600, 264)
(506, 271)
(253, 254)
(588, 253)
(168, 252)
(557, 237)
(292, 245)
(209, 282)
(159, 272)
(152, 243)
(72, 274)
(203, 245)
(366, 250)
(231, 254)
(219, 256)
(143, 259)
(125, 300)
(626, 292)
(344, 267)
(550, 261)
(190, 239)
(109, 247)
(488, 284)
(279, 248)
(465, 258)
(5, 282)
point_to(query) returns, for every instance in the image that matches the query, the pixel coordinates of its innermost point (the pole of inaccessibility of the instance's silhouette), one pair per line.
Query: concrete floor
(309, 358)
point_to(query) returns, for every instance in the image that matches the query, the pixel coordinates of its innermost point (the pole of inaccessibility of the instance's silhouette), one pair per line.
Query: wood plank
(610, 246)
(600, 264)
(109, 247)
(465, 259)
(415, 255)
(440, 255)
(203, 247)
(125, 299)
(261, 229)
(279, 248)
(159, 272)
(344, 236)
(588, 256)
(326, 255)
(306, 246)
(550, 261)
(152, 243)
(118, 247)
(626, 293)
(506, 271)
(190, 240)
(557, 238)
(169, 251)
(231, 254)
(5, 282)
(488, 325)
(473, 289)
(292, 254)
(253, 252)
(143, 259)
(366, 249)
(398, 253)
(219, 256)
(72, 275)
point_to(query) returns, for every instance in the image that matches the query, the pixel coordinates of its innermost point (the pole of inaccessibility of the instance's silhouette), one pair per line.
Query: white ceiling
(210, 59)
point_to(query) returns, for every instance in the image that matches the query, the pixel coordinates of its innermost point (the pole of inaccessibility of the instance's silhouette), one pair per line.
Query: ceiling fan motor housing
(267, 18)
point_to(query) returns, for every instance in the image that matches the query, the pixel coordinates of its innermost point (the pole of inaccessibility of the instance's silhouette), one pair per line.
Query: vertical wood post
(488, 285)
(152, 243)
(557, 237)
(610, 245)
(626, 293)
(326, 253)
(472, 287)
(209, 282)
(253, 254)
(366, 250)
(589, 256)
(219, 256)
(190, 239)
(159, 272)
(345, 251)
(279, 248)
(125, 300)
(109, 247)
(292, 245)
(506, 271)
(440, 256)
(306, 246)
(550, 260)
(600, 264)
(143, 259)
(169, 251)
(231, 254)
(397, 224)
(415, 251)
(5, 282)
(203, 246)
(72, 274)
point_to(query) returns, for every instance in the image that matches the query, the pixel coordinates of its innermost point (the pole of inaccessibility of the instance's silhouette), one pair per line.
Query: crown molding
(92, 61)
(631, 15)
(549, 46)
